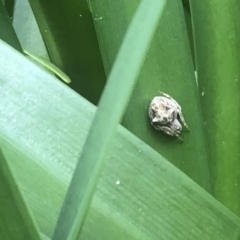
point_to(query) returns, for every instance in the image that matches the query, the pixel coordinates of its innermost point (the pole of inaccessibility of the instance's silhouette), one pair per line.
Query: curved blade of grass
(72, 44)
(110, 111)
(7, 32)
(140, 195)
(50, 66)
(16, 221)
(217, 43)
(168, 67)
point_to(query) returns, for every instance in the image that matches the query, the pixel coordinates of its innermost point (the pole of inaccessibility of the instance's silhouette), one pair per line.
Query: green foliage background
(130, 182)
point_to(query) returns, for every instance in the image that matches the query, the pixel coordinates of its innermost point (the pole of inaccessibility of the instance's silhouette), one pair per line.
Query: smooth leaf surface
(50, 66)
(140, 195)
(116, 93)
(168, 67)
(27, 30)
(7, 32)
(68, 32)
(217, 42)
(30, 37)
(188, 19)
(16, 221)
(9, 5)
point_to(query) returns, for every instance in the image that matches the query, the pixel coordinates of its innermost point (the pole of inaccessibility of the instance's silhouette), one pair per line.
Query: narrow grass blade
(16, 221)
(217, 42)
(111, 108)
(50, 66)
(140, 195)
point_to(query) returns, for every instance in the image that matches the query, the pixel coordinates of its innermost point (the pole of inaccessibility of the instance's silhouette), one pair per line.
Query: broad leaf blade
(16, 221)
(7, 32)
(117, 93)
(27, 29)
(139, 196)
(168, 68)
(69, 35)
(217, 43)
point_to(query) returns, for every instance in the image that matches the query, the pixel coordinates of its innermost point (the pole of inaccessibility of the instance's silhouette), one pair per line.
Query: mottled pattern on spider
(166, 115)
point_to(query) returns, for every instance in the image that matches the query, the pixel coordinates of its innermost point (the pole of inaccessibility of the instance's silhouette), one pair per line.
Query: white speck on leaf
(203, 93)
(118, 182)
(98, 18)
(80, 15)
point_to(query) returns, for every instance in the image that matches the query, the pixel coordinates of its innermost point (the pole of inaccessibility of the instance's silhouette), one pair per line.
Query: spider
(166, 115)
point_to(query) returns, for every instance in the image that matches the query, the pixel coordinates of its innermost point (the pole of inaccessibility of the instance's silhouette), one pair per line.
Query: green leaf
(50, 66)
(7, 32)
(216, 34)
(168, 67)
(110, 111)
(9, 6)
(27, 29)
(140, 195)
(16, 221)
(30, 37)
(68, 32)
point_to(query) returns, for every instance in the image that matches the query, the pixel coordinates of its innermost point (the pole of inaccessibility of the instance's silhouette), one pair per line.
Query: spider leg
(183, 120)
(169, 131)
(165, 95)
